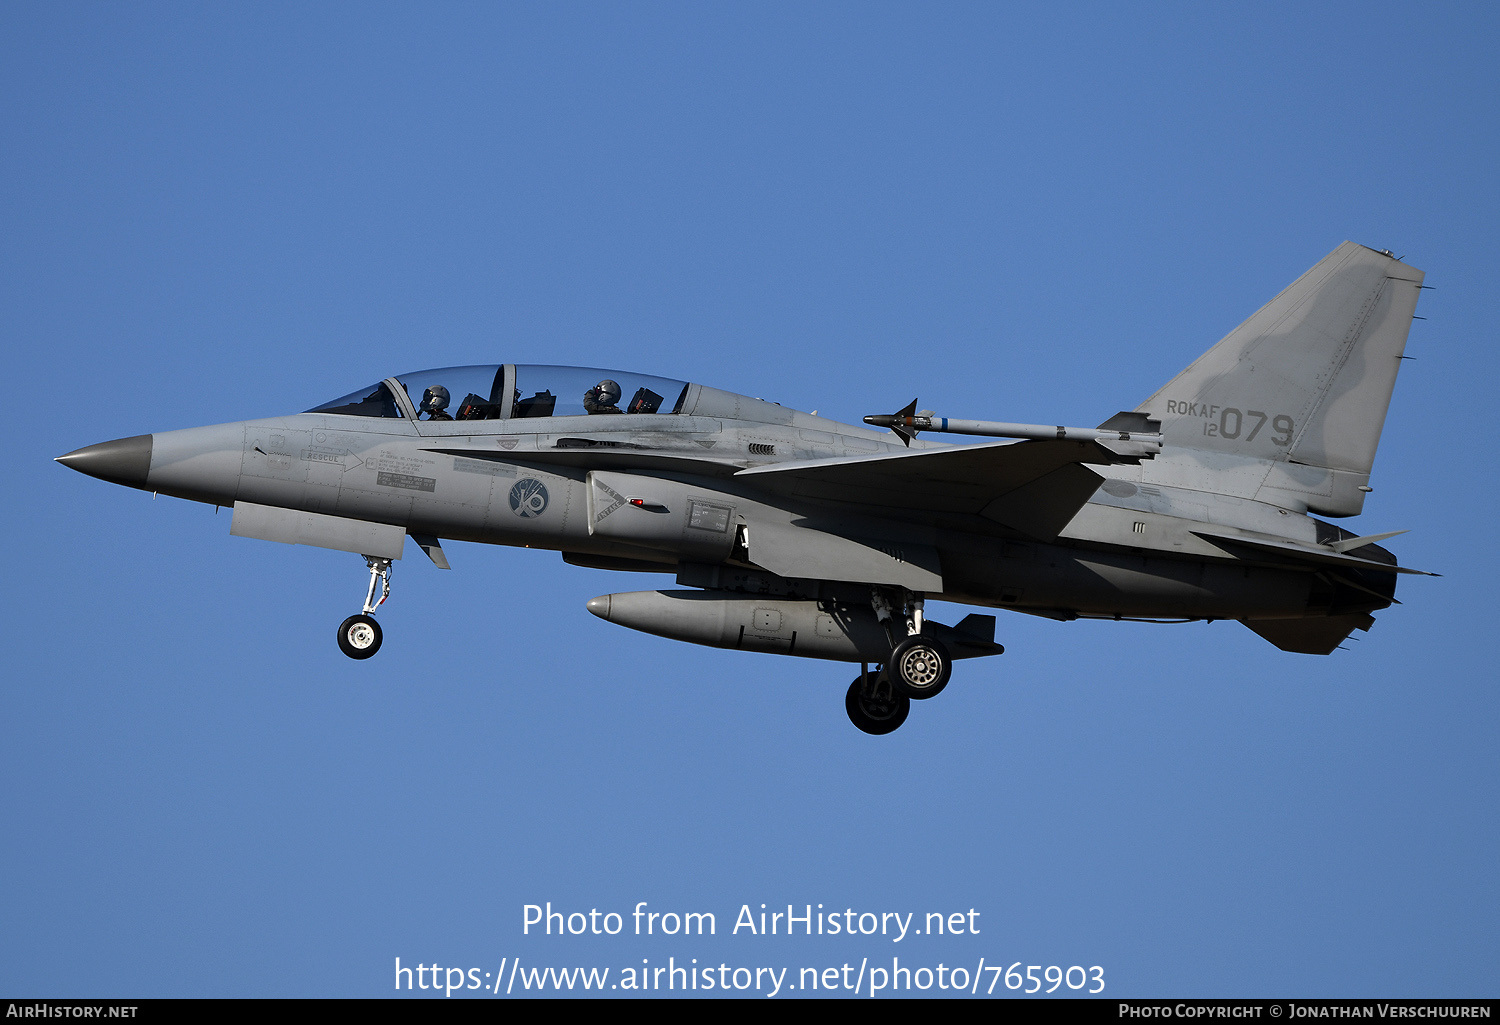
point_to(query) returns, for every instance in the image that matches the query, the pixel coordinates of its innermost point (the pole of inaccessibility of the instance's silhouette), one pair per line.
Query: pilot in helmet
(603, 398)
(435, 403)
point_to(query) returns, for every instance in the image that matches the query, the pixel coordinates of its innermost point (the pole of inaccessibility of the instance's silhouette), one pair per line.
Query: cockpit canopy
(512, 392)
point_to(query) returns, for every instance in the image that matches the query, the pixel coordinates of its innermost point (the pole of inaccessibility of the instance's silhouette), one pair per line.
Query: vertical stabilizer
(1288, 407)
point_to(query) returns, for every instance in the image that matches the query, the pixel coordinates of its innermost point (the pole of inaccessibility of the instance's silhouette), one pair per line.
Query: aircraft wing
(1034, 487)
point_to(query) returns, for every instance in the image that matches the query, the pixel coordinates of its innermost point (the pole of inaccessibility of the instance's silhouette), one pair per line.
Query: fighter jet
(792, 533)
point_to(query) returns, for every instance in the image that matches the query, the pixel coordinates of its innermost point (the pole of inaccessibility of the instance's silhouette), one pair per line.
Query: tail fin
(1288, 408)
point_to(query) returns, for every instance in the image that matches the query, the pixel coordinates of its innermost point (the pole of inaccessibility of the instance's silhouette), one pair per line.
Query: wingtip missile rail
(1139, 432)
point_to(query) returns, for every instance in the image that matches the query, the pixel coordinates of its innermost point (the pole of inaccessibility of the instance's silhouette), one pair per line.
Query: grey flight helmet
(434, 399)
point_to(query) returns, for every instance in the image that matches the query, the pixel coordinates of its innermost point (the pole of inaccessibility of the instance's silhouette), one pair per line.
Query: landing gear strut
(359, 635)
(873, 706)
(919, 665)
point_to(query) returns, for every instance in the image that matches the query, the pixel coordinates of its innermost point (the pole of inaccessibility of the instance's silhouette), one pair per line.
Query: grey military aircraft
(795, 534)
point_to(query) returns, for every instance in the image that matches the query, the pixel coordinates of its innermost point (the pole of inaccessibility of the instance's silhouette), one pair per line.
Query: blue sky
(1029, 213)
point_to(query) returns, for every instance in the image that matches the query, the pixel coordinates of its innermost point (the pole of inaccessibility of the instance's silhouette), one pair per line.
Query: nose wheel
(359, 635)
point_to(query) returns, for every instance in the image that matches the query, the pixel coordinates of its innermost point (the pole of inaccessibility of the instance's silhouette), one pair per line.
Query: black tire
(920, 667)
(359, 636)
(874, 708)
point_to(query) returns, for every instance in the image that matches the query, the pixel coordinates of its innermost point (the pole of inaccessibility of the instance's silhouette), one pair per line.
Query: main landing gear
(918, 668)
(359, 635)
(873, 705)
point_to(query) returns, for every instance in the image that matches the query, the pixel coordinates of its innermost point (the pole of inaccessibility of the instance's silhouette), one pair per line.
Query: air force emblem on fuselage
(528, 498)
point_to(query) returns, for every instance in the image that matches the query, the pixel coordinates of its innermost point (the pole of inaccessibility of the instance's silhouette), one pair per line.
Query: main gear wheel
(919, 667)
(873, 707)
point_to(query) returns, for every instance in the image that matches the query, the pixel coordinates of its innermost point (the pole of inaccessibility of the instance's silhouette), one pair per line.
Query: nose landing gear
(359, 635)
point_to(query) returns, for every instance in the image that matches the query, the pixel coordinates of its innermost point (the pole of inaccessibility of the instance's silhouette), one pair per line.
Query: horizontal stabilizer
(1319, 635)
(1302, 553)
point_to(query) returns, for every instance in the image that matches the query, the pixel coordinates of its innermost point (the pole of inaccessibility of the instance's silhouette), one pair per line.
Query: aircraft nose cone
(126, 461)
(600, 606)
